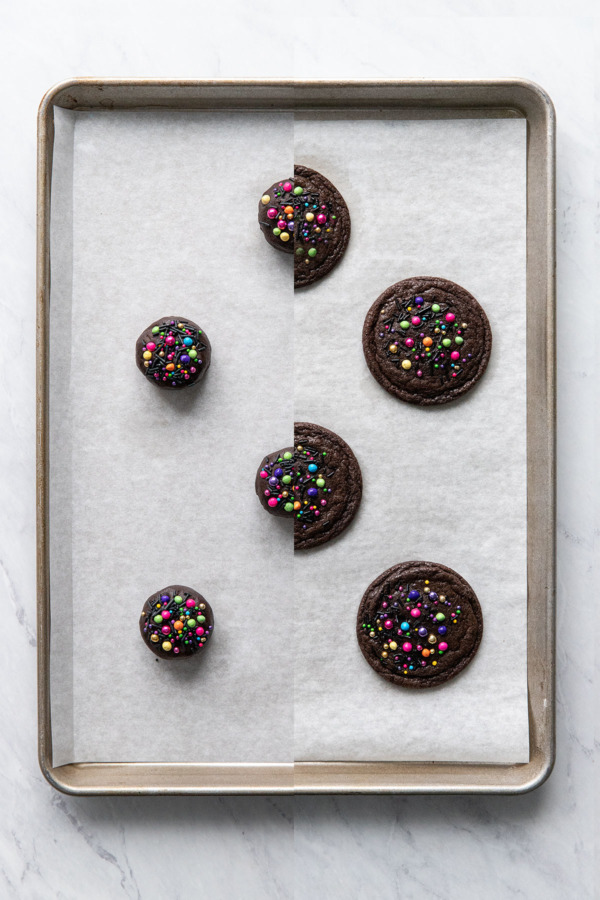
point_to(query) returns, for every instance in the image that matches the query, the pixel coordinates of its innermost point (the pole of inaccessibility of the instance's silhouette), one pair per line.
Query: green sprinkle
(312, 252)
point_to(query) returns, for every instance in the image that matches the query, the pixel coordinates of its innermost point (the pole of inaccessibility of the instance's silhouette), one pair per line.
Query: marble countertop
(537, 845)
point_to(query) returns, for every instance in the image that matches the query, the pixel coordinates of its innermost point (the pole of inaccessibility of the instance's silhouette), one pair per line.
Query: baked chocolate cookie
(276, 213)
(306, 216)
(427, 340)
(176, 622)
(317, 483)
(419, 624)
(322, 228)
(173, 352)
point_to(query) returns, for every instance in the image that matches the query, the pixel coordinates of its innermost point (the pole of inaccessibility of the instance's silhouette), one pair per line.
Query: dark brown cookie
(173, 352)
(274, 482)
(321, 229)
(176, 622)
(276, 214)
(419, 624)
(317, 483)
(427, 340)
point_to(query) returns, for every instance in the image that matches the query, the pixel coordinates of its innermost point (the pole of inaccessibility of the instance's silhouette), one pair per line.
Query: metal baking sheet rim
(459, 98)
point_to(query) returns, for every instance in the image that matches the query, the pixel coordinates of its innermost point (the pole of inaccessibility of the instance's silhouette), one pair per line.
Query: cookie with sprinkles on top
(173, 352)
(419, 624)
(317, 484)
(176, 622)
(427, 340)
(306, 216)
(322, 231)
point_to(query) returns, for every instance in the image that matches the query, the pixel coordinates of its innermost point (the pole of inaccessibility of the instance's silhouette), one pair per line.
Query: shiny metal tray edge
(419, 98)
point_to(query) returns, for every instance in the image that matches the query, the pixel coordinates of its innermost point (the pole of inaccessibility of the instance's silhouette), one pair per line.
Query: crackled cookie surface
(427, 340)
(316, 483)
(306, 215)
(419, 624)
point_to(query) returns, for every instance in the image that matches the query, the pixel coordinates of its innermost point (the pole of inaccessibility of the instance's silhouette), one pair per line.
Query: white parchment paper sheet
(158, 212)
(148, 488)
(443, 198)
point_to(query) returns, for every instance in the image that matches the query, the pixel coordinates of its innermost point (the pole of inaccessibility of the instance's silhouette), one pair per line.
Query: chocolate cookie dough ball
(427, 340)
(173, 352)
(276, 215)
(274, 483)
(419, 624)
(317, 484)
(176, 622)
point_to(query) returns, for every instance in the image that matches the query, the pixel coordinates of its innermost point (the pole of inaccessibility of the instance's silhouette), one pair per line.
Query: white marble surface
(535, 846)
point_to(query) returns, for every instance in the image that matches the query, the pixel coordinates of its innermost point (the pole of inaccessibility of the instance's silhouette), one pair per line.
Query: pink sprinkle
(450, 317)
(190, 603)
(200, 630)
(272, 501)
(166, 614)
(264, 474)
(443, 645)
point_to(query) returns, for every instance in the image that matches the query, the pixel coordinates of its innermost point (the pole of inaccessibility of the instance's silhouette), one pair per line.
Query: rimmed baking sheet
(176, 184)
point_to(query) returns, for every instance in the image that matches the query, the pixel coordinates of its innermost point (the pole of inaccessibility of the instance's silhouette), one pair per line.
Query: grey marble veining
(535, 846)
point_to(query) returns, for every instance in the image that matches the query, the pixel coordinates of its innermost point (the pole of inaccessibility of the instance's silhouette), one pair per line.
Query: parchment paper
(443, 198)
(149, 488)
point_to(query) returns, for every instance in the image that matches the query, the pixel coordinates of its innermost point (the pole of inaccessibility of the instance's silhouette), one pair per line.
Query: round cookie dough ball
(275, 483)
(176, 622)
(427, 340)
(276, 215)
(419, 624)
(173, 352)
